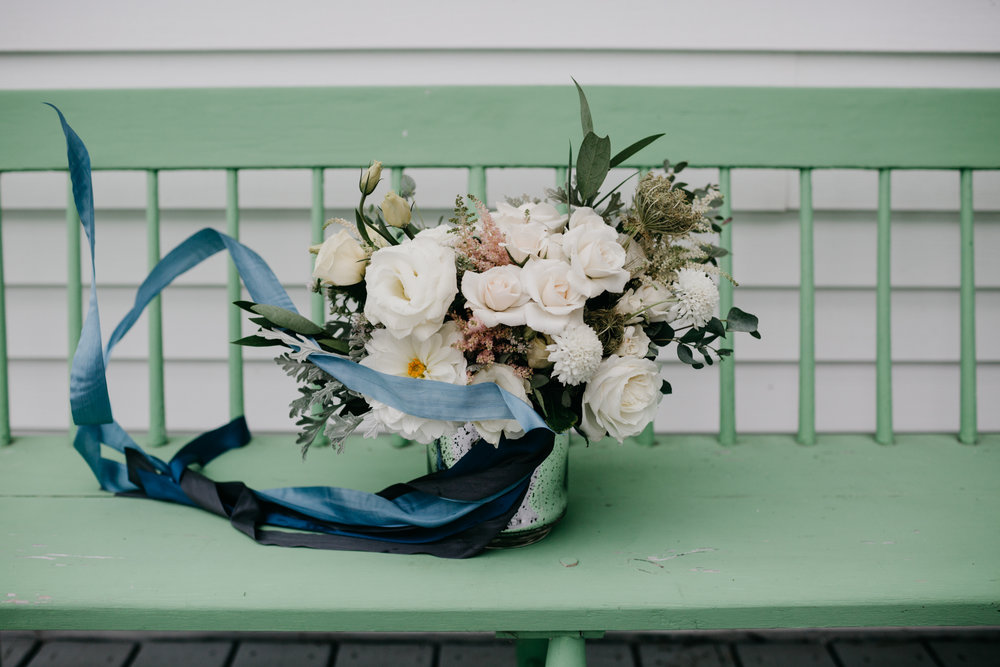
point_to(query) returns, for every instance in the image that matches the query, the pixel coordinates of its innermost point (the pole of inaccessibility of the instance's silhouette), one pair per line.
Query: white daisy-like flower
(576, 354)
(697, 297)
(435, 358)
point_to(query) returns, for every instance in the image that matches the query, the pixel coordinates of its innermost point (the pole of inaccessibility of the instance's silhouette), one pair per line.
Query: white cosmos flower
(576, 353)
(555, 303)
(434, 358)
(505, 378)
(596, 257)
(410, 287)
(696, 297)
(496, 295)
(621, 398)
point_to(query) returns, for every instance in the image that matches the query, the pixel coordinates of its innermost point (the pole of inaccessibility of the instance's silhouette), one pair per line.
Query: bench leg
(531, 652)
(566, 652)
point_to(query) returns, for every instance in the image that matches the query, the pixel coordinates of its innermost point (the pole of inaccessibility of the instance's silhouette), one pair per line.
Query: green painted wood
(647, 437)
(727, 368)
(310, 127)
(531, 652)
(968, 426)
(183, 654)
(807, 314)
(5, 436)
(883, 313)
(566, 652)
(477, 183)
(234, 292)
(317, 303)
(154, 314)
(395, 178)
(682, 535)
(74, 269)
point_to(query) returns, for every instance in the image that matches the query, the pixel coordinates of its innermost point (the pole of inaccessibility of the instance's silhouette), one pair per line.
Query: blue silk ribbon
(453, 513)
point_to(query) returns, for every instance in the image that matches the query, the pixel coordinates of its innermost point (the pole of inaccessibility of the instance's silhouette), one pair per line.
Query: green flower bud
(370, 178)
(395, 210)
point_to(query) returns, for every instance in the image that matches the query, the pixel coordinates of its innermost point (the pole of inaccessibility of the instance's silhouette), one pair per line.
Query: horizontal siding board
(306, 127)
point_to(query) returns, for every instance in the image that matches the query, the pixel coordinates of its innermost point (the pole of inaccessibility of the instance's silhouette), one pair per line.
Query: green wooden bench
(735, 531)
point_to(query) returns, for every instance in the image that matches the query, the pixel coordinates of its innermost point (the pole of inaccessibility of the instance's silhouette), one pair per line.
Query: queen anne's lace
(576, 354)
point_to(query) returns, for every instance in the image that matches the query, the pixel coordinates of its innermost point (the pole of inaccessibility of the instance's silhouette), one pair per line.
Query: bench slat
(685, 534)
(968, 426)
(883, 312)
(807, 313)
(154, 314)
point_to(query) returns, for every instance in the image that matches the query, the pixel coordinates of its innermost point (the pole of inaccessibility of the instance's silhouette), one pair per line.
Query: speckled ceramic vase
(544, 504)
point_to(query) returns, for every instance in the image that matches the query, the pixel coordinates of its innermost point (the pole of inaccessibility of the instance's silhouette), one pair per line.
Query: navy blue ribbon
(452, 513)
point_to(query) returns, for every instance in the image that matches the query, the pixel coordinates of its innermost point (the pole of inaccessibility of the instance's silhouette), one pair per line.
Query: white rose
(410, 287)
(555, 303)
(496, 296)
(621, 398)
(505, 377)
(584, 215)
(598, 260)
(528, 240)
(341, 260)
(544, 213)
(635, 343)
(650, 301)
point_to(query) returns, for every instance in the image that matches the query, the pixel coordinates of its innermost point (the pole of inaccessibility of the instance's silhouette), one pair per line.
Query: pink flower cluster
(486, 250)
(485, 344)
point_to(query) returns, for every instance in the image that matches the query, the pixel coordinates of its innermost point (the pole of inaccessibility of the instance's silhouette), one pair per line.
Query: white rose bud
(621, 398)
(370, 178)
(395, 210)
(340, 260)
(538, 353)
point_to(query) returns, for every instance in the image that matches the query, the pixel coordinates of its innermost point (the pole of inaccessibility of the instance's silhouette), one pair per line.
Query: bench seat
(685, 534)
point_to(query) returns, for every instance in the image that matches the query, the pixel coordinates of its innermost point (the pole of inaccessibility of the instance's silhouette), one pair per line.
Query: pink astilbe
(484, 345)
(487, 248)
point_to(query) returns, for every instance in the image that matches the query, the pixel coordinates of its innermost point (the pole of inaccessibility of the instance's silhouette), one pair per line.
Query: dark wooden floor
(834, 648)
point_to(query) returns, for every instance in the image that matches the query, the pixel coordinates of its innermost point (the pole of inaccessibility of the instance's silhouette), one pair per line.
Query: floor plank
(883, 654)
(495, 654)
(380, 655)
(609, 654)
(82, 654)
(14, 649)
(282, 654)
(671, 655)
(967, 653)
(186, 654)
(783, 655)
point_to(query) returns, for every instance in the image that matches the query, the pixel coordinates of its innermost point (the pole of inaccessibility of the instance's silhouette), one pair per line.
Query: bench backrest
(481, 128)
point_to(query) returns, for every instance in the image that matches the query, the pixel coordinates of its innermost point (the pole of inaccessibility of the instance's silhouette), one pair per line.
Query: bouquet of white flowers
(564, 302)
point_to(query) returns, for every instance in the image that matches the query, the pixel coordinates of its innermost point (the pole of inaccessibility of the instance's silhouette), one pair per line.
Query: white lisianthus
(650, 301)
(410, 287)
(340, 260)
(635, 342)
(496, 295)
(596, 257)
(530, 239)
(696, 297)
(442, 235)
(555, 303)
(621, 398)
(576, 353)
(542, 212)
(434, 358)
(505, 378)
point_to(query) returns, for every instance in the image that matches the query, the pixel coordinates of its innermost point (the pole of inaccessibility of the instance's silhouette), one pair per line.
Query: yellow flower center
(416, 368)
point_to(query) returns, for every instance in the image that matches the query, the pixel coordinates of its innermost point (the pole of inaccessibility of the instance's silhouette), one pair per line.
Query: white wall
(62, 44)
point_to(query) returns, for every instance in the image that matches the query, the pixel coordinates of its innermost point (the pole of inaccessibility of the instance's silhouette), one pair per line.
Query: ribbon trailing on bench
(453, 513)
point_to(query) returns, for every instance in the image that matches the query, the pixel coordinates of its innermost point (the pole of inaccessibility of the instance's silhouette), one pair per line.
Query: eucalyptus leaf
(626, 153)
(684, 354)
(586, 121)
(592, 165)
(737, 320)
(257, 341)
(716, 327)
(665, 388)
(287, 319)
